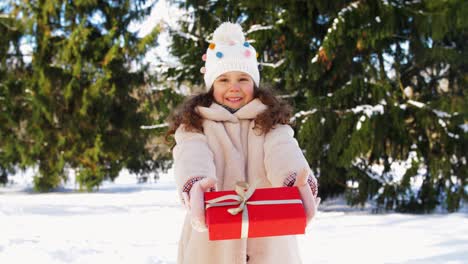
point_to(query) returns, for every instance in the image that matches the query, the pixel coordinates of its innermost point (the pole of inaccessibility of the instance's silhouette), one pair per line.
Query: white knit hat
(229, 52)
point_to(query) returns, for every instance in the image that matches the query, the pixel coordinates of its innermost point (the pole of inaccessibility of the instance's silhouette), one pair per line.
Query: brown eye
(244, 79)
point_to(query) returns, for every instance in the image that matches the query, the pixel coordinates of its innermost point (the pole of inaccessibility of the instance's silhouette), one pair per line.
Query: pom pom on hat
(228, 51)
(227, 33)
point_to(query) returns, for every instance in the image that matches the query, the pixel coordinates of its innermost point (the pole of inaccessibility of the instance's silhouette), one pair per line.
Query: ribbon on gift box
(244, 192)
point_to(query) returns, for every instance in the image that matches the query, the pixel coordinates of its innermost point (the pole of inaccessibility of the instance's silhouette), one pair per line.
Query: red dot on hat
(204, 57)
(247, 53)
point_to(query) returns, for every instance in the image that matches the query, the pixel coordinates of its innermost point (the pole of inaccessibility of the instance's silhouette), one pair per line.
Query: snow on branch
(161, 88)
(362, 166)
(257, 27)
(183, 90)
(177, 31)
(187, 35)
(314, 59)
(288, 95)
(396, 171)
(301, 114)
(155, 126)
(368, 110)
(273, 65)
(464, 127)
(416, 103)
(441, 114)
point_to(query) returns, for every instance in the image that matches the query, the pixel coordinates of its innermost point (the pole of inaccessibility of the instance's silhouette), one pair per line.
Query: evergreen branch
(332, 29)
(301, 114)
(383, 74)
(440, 114)
(182, 34)
(437, 112)
(363, 167)
(401, 37)
(337, 182)
(177, 91)
(8, 26)
(416, 103)
(369, 111)
(386, 177)
(18, 55)
(187, 35)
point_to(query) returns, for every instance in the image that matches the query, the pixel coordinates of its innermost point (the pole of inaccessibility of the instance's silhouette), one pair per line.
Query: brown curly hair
(278, 112)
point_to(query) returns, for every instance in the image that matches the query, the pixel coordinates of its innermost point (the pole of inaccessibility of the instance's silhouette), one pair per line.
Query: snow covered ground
(126, 222)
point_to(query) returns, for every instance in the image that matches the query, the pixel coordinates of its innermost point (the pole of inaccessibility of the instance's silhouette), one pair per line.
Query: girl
(235, 131)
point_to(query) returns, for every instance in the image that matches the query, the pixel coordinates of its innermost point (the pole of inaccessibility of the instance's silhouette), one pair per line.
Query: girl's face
(233, 89)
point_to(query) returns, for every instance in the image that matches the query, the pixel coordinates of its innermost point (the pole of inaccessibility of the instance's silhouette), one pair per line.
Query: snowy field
(126, 222)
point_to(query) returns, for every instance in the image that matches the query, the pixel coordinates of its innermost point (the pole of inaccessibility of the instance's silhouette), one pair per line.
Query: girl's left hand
(197, 203)
(310, 202)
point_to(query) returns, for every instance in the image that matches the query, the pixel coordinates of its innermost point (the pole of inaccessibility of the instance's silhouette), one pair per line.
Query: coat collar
(216, 112)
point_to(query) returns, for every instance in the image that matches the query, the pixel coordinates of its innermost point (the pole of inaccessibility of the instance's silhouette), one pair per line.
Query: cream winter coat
(230, 151)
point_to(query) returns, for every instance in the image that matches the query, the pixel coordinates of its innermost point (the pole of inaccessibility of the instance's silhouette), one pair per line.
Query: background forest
(378, 88)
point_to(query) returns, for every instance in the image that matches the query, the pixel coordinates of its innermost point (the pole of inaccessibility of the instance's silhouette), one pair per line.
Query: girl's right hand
(310, 202)
(197, 203)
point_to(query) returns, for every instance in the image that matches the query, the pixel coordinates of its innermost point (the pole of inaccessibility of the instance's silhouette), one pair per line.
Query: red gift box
(267, 212)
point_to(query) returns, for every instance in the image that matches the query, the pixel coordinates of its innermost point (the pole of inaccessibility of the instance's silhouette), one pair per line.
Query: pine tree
(11, 72)
(376, 85)
(392, 79)
(79, 105)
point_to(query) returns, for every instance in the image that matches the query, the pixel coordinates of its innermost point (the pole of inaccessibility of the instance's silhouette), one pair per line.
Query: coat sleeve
(192, 157)
(283, 156)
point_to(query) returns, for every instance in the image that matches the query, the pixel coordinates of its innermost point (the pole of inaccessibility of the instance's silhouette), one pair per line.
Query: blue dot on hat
(219, 54)
(246, 44)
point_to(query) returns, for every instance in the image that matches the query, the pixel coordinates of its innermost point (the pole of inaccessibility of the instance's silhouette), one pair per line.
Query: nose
(235, 86)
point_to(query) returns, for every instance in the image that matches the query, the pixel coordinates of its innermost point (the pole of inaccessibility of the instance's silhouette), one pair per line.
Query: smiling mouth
(234, 99)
